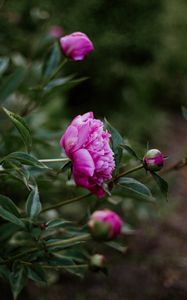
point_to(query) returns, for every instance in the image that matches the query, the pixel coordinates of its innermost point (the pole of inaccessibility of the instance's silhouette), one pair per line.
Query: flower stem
(84, 237)
(53, 160)
(53, 267)
(62, 203)
(129, 171)
(65, 242)
(57, 70)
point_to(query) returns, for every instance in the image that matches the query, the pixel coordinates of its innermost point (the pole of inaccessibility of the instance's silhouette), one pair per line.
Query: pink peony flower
(105, 224)
(56, 31)
(76, 45)
(87, 145)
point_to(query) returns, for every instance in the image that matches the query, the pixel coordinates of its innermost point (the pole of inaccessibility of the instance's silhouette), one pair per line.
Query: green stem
(69, 201)
(84, 237)
(53, 160)
(74, 239)
(56, 71)
(128, 172)
(53, 267)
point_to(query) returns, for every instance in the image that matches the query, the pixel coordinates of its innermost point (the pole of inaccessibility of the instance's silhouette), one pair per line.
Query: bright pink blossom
(76, 45)
(87, 145)
(105, 224)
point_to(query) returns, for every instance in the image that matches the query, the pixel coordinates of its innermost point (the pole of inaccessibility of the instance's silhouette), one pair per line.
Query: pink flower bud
(97, 262)
(105, 224)
(153, 160)
(76, 45)
(56, 31)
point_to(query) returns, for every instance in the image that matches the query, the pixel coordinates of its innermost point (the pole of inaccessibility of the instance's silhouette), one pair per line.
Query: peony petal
(83, 135)
(69, 139)
(83, 163)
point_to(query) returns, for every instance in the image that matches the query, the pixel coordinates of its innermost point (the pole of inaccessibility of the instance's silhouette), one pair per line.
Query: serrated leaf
(162, 184)
(33, 204)
(4, 61)
(184, 112)
(25, 159)
(12, 83)
(116, 141)
(8, 216)
(22, 127)
(52, 62)
(9, 205)
(136, 187)
(130, 151)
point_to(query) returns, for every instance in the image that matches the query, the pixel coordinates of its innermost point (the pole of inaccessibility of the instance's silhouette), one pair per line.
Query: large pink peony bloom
(87, 145)
(76, 45)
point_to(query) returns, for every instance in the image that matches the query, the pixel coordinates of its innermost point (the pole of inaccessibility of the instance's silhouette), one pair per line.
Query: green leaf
(37, 274)
(17, 280)
(4, 61)
(56, 83)
(117, 141)
(68, 264)
(131, 151)
(65, 167)
(56, 223)
(162, 184)
(9, 205)
(12, 83)
(52, 62)
(127, 229)
(135, 186)
(25, 159)
(184, 112)
(7, 230)
(117, 246)
(33, 204)
(6, 215)
(60, 260)
(22, 127)
(4, 272)
(78, 270)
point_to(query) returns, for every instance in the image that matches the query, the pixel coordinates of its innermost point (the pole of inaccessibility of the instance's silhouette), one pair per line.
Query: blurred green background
(137, 78)
(137, 73)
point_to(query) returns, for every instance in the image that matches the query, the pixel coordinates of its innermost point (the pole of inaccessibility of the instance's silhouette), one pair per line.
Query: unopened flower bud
(105, 225)
(76, 45)
(153, 160)
(97, 262)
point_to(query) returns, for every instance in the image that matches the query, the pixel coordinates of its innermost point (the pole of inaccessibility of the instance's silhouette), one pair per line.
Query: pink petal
(69, 139)
(83, 163)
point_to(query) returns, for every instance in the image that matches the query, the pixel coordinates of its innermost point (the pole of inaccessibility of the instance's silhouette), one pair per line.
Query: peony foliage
(94, 168)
